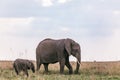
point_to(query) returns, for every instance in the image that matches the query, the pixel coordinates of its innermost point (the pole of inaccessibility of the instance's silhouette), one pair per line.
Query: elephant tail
(13, 65)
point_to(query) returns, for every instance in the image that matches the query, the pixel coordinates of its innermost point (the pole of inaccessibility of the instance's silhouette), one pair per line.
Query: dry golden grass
(88, 71)
(6, 64)
(105, 68)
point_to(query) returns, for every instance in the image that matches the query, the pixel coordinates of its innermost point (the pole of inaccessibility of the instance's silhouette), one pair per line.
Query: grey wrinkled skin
(23, 65)
(52, 51)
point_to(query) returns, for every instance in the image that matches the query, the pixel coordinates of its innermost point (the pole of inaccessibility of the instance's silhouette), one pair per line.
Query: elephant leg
(26, 72)
(62, 64)
(46, 67)
(16, 71)
(77, 68)
(67, 63)
(38, 65)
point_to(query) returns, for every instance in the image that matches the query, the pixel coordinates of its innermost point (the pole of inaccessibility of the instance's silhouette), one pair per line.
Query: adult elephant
(52, 51)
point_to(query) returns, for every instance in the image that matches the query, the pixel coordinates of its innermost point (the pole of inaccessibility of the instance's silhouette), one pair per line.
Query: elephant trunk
(78, 63)
(33, 70)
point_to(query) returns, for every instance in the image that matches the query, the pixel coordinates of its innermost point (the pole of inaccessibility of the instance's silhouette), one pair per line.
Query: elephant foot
(61, 72)
(70, 72)
(46, 71)
(76, 72)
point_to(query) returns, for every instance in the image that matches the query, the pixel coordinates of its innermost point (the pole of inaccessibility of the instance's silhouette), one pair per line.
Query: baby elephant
(23, 65)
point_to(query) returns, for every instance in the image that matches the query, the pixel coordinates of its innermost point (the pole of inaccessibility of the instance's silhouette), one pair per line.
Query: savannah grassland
(88, 71)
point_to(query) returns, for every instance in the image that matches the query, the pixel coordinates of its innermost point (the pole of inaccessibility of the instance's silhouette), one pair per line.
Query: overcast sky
(94, 24)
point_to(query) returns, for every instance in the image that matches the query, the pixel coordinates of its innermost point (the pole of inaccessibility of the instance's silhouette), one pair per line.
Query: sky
(94, 24)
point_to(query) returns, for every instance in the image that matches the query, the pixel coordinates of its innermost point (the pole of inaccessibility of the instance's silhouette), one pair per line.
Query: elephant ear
(29, 64)
(68, 46)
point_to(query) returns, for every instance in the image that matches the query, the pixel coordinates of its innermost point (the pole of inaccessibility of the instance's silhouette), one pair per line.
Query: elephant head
(31, 66)
(73, 48)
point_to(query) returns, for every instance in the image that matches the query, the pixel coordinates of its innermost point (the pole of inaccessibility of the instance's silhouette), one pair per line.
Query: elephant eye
(75, 50)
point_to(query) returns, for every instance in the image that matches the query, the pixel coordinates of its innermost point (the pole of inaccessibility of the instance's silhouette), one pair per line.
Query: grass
(88, 71)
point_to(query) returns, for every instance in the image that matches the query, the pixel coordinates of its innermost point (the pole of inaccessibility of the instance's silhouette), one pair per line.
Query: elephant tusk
(78, 62)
